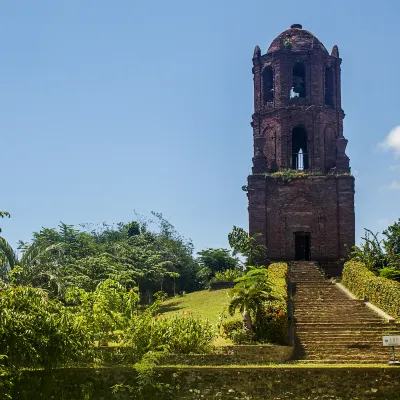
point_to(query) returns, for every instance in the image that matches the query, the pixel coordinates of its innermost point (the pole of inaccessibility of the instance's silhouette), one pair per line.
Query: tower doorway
(302, 246)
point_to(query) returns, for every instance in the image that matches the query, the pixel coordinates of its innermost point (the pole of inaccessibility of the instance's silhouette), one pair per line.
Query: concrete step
(331, 327)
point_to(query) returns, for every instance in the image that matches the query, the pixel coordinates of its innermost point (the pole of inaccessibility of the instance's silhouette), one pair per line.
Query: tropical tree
(130, 254)
(217, 260)
(249, 246)
(370, 252)
(249, 295)
(392, 241)
(8, 257)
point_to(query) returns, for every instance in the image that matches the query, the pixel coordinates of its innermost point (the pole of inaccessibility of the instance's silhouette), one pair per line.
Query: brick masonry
(322, 206)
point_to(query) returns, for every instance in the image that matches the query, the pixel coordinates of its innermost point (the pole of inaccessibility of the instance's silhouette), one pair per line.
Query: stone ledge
(228, 355)
(371, 306)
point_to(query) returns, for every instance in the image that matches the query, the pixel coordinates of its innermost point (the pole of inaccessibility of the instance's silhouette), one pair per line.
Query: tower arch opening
(268, 84)
(299, 148)
(329, 86)
(298, 88)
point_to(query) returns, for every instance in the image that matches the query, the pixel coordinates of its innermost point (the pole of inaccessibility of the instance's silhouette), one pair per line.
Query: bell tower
(301, 192)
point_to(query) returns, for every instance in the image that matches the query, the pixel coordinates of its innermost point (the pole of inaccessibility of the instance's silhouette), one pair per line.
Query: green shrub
(382, 292)
(242, 336)
(272, 323)
(36, 331)
(181, 335)
(230, 326)
(160, 295)
(233, 329)
(226, 276)
(390, 273)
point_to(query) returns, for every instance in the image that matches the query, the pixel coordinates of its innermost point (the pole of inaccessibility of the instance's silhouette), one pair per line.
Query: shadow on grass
(165, 308)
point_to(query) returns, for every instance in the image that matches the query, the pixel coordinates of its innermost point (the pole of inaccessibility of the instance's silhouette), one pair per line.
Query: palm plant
(249, 295)
(8, 257)
(7, 254)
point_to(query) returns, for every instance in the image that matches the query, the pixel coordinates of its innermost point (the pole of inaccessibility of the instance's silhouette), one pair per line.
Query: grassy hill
(205, 304)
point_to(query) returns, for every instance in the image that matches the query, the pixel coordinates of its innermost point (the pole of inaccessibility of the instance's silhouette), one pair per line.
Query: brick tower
(301, 193)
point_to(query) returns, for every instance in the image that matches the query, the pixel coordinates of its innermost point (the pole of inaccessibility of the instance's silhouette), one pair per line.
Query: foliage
(382, 292)
(287, 175)
(217, 260)
(204, 275)
(107, 309)
(272, 323)
(231, 326)
(160, 296)
(287, 43)
(392, 241)
(390, 273)
(382, 257)
(242, 336)
(249, 246)
(130, 254)
(227, 276)
(36, 331)
(267, 301)
(7, 255)
(182, 335)
(370, 252)
(249, 294)
(4, 214)
(176, 335)
(138, 333)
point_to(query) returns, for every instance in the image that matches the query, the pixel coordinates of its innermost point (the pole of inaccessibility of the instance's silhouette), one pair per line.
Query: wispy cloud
(392, 141)
(394, 167)
(395, 185)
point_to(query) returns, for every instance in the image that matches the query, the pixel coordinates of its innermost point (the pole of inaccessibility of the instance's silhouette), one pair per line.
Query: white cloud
(392, 141)
(395, 185)
(394, 167)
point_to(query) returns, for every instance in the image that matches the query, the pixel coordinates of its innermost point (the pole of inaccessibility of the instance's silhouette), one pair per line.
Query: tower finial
(335, 51)
(257, 52)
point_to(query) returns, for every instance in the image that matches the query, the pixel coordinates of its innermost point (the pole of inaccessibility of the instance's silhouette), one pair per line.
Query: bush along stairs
(331, 327)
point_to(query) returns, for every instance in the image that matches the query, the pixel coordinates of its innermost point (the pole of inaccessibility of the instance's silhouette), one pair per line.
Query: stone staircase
(329, 326)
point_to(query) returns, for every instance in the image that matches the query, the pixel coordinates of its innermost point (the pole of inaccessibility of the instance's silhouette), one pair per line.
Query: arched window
(268, 84)
(298, 81)
(329, 86)
(299, 148)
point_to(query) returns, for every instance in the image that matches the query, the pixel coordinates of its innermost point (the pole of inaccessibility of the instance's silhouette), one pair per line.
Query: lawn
(205, 304)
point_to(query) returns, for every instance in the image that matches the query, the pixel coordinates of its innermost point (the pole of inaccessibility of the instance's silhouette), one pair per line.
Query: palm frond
(8, 252)
(34, 252)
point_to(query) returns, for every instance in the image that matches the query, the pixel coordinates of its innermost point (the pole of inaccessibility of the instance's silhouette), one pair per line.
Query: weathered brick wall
(275, 120)
(321, 205)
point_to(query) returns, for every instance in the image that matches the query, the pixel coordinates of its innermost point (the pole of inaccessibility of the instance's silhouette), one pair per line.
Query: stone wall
(234, 355)
(223, 355)
(272, 383)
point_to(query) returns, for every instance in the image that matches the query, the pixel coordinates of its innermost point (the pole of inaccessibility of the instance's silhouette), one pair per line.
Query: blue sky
(110, 107)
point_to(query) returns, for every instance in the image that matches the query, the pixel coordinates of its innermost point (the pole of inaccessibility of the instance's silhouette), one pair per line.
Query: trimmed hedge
(274, 326)
(382, 292)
